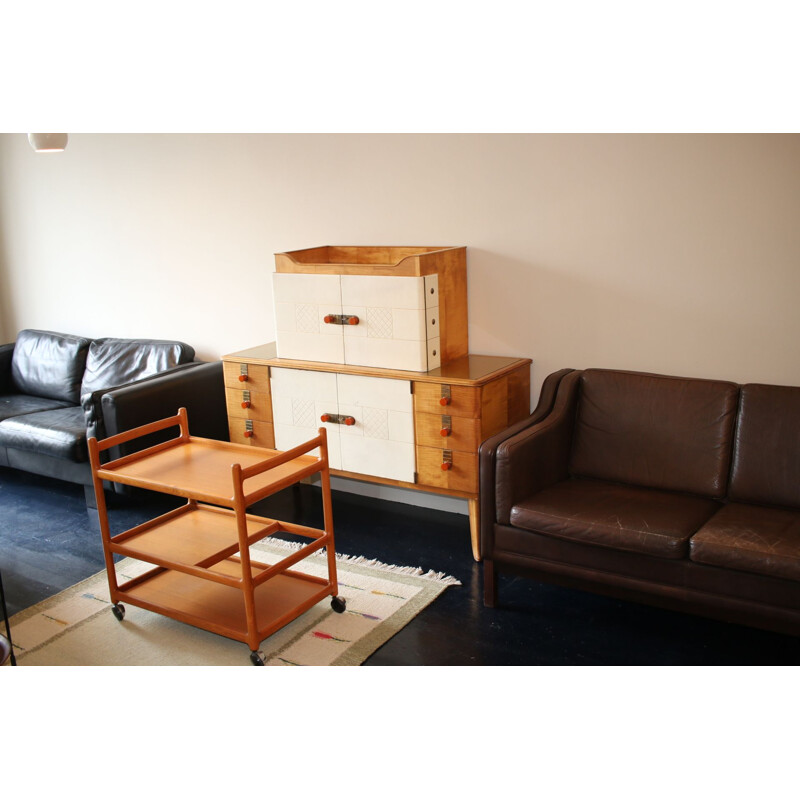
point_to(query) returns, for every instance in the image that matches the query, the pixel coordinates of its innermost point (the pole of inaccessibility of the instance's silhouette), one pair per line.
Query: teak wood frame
(199, 541)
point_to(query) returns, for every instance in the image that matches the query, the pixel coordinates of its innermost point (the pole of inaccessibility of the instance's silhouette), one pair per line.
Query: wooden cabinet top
(359, 260)
(470, 370)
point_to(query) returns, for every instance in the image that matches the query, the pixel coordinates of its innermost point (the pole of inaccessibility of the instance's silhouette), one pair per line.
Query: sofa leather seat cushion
(60, 432)
(751, 538)
(636, 519)
(47, 364)
(114, 362)
(14, 405)
(766, 459)
(661, 432)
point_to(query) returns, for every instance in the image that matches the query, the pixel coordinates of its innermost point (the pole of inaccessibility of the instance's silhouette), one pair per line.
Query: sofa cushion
(766, 456)
(60, 432)
(656, 431)
(48, 364)
(751, 538)
(14, 405)
(630, 518)
(115, 362)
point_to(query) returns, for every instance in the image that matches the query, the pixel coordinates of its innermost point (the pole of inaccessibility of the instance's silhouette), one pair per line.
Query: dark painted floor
(48, 543)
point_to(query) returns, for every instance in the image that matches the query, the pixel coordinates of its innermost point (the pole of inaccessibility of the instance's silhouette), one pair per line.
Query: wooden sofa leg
(489, 583)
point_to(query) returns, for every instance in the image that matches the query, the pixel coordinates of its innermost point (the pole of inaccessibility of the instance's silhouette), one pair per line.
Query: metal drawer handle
(340, 319)
(338, 419)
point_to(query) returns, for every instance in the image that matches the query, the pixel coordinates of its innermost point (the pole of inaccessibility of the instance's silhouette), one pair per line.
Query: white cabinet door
(394, 326)
(299, 399)
(397, 323)
(302, 302)
(380, 440)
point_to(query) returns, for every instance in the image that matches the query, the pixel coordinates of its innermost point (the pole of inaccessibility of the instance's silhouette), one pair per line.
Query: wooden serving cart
(203, 574)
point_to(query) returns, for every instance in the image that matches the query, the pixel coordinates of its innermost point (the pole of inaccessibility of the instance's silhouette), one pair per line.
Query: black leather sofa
(678, 492)
(56, 390)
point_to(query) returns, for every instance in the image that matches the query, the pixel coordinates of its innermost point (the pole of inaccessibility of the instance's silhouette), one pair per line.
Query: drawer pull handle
(445, 431)
(447, 465)
(243, 378)
(245, 404)
(447, 459)
(444, 401)
(338, 419)
(248, 434)
(340, 319)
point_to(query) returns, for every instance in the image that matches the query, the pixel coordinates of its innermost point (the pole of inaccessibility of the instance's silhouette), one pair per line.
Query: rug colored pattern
(77, 628)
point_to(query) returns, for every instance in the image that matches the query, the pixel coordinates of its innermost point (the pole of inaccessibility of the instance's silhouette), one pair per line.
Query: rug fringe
(417, 572)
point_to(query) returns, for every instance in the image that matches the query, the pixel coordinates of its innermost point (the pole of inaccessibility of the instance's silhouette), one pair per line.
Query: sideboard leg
(475, 527)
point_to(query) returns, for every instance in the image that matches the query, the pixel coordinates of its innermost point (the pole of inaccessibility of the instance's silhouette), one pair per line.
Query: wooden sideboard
(414, 430)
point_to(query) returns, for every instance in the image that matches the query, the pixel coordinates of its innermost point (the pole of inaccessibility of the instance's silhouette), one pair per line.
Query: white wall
(675, 253)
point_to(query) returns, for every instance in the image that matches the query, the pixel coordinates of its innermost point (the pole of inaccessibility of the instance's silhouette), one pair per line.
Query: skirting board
(396, 494)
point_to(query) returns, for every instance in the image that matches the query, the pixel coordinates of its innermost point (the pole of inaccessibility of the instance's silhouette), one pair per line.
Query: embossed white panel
(391, 353)
(397, 317)
(381, 443)
(383, 290)
(299, 398)
(301, 304)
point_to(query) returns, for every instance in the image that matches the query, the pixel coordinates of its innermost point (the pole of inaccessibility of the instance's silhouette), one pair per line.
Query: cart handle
(180, 419)
(320, 441)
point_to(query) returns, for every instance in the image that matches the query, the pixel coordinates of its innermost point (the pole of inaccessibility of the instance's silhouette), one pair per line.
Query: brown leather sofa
(678, 492)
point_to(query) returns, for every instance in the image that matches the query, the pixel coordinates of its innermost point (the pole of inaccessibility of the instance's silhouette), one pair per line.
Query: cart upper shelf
(202, 469)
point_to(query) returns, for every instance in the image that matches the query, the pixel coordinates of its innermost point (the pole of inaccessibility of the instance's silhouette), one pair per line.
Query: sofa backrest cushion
(655, 431)
(49, 364)
(115, 362)
(766, 454)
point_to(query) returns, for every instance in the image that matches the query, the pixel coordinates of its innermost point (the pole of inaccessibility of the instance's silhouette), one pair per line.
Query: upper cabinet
(399, 308)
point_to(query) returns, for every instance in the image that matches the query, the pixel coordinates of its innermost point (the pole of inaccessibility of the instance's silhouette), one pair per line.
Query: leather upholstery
(488, 454)
(60, 433)
(766, 460)
(147, 380)
(656, 431)
(48, 364)
(12, 405)
(751, 538)
(538, 455)
(679, 492)
(611, 515)
(114, 362)
(6, 354)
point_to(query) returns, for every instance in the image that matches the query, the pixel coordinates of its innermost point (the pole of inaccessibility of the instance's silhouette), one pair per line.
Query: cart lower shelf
(221, 609)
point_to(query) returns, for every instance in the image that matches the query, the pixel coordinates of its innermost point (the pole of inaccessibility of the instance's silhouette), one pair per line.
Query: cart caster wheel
(338, 604)
(256, 659)
(119, 611)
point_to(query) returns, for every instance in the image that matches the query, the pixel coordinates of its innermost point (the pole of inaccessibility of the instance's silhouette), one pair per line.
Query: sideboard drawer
(247, 404)
(447, 431)
(441, 398)
(240, 375)
(460, 474)
(251, 431)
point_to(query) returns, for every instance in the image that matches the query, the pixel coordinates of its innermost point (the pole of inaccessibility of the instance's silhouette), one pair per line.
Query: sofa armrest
(200, 389)
(529, 455)
(6, 353)
(92, 402)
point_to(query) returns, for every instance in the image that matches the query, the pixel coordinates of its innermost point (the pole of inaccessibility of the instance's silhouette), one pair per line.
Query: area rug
(77, 627)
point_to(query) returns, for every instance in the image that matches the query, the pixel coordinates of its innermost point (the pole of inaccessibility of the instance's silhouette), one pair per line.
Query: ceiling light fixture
(48, 142)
